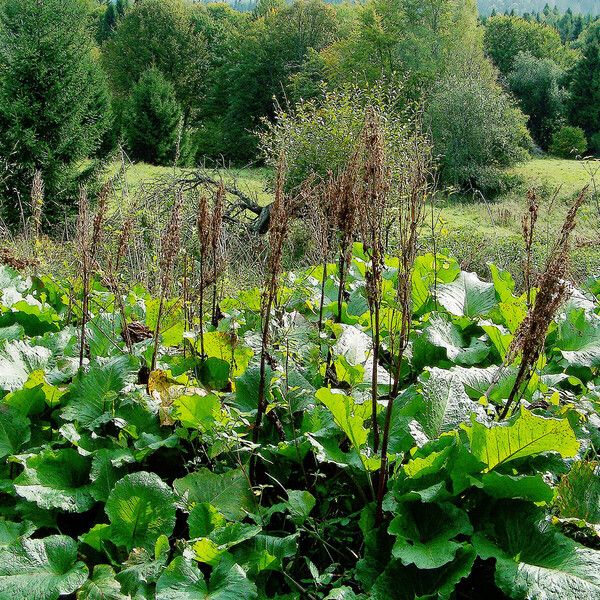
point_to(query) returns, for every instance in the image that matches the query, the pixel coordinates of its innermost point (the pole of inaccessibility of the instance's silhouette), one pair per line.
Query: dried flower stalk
(372, 209)
(530, 337)
(529, 221)
(37, 203)
(170, 244)
(414, 190)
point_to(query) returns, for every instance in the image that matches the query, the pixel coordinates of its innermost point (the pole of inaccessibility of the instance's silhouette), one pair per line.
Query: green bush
(319, 135)
(569, 142)
(152, 120)
(476, 130)
(595, 142)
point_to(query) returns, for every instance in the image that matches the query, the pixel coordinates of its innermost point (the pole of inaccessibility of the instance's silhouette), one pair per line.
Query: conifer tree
(54, 102)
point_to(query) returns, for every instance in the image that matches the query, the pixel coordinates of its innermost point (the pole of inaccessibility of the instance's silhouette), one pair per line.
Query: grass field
(475, 230)
(251, 181)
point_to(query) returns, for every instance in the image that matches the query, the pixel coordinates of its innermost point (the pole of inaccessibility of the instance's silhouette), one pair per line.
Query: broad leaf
(425, 533)
(93, 395)
(533, 560)
(228, 492)
(446, 403)
(101, 586)
(141, 507)
(14, 431)
(348, 415)
(579, 339)
(17, 360)
(525, 435)
(443, 333)
(56, 479)
(400, 582)
(182, 580)
(467, 296)
(42, 569)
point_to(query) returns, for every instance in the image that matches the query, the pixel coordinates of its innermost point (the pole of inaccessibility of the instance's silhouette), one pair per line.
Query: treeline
(521, 7)
(175, 81)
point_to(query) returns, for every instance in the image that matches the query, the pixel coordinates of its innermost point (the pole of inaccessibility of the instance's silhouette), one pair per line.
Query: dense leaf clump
(120, 485)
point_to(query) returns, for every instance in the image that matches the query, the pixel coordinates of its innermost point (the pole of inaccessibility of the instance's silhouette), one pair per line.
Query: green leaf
(17, 360)
(142, 568)
(197, 412)
(35, 395)
(443, 333)
(41, 569)
(527, 487)
(400, 582)
(504, 283)
(182, 580)
(579, 339)
(467, 296)
(12, 332)
(104, 474)
(141, 507)
(425, 270)
(445, 402)
(227, 347)
(228, 492)
(300, 504)
(424, 533)
(525, 435)
(56, 479)
(533, 560)
(101, 586)
(578, 493)
(348, 415)
(203, 519)
(93, 395)
(14, 431)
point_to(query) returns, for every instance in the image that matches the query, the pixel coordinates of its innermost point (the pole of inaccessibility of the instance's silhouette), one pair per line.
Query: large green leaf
(349, 416)
(93, 395)
(141, 507)
(578, 493)
(400, 582)
(425, 533)
(228, 492)
(427, 269)
(102, 585)
(143, 568)
(14, 431)
(533, 560)
(182, 580)
(579, 339)
(41, 569)
(467, 296)
(525, 435)
(104, 473)
(17, 360)
(56, 479)
(443, 333)
(446, 403)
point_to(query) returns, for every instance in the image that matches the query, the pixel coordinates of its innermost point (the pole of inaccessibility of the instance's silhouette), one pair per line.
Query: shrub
(476, 130)
(153, 119)
(319, 135)
(569, 142)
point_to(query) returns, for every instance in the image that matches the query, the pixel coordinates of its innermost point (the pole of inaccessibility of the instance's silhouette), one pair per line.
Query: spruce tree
(152, 120)
(54, 103)
(585, 84)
